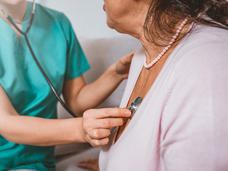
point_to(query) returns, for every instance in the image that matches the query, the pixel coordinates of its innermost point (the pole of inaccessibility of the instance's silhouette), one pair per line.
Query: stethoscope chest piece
(135, 104)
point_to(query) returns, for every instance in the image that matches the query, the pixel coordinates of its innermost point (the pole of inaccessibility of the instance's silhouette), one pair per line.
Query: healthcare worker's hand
(122, 67)
(97, 124)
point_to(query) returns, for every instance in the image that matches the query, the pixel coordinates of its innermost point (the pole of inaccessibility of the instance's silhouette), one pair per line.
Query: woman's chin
(110, 24)
(116, 26)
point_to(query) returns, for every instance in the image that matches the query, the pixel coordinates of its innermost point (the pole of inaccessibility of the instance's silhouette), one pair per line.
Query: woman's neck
(152, 50)
(16, 11)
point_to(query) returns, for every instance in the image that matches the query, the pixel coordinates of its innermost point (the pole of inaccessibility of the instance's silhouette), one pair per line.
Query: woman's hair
(164, 15)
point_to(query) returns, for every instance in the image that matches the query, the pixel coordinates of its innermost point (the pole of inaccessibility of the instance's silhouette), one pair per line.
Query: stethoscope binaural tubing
(65, 106)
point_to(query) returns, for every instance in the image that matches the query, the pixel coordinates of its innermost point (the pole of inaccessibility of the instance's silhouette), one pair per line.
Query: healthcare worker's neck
(16, 10)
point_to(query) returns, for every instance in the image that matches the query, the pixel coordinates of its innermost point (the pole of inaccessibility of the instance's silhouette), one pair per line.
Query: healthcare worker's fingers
(107, 113)
(126, 59)
(123, 65)
(99, 133)
(98, 142)
(97, 124)
(107, 123)
(97, 137)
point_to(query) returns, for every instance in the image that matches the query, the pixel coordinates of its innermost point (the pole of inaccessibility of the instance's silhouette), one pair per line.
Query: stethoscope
(134, 105)
(25, 34)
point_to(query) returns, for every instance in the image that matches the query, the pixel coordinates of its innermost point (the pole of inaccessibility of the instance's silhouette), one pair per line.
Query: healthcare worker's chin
(12, 2)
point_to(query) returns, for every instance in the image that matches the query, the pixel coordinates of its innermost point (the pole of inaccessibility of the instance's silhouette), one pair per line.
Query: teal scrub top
(59, 53)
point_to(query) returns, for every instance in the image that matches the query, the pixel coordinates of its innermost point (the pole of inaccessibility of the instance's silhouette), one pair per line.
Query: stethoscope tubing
(25, 34)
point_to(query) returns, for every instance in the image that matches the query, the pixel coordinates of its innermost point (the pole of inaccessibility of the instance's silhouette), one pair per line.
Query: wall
(87, 17)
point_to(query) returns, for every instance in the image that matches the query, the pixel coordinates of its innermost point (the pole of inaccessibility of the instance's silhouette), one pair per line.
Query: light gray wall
(87, 17)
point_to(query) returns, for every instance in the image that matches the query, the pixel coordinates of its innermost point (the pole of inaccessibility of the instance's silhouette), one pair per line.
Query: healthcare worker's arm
(92, 128)
(81, 97)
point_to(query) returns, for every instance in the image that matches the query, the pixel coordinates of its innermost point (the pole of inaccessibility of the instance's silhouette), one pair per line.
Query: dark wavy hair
(164, 15)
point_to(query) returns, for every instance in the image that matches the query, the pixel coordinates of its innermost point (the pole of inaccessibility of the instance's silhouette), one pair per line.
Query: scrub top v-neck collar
(25, 25)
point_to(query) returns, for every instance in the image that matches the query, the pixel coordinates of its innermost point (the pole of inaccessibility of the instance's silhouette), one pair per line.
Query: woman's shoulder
(204, 47)
(202, 56)
(203, 37)
(210, 33)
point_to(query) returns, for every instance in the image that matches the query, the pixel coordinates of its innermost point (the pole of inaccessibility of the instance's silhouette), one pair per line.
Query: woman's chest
(138, 148)
(143, 85)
